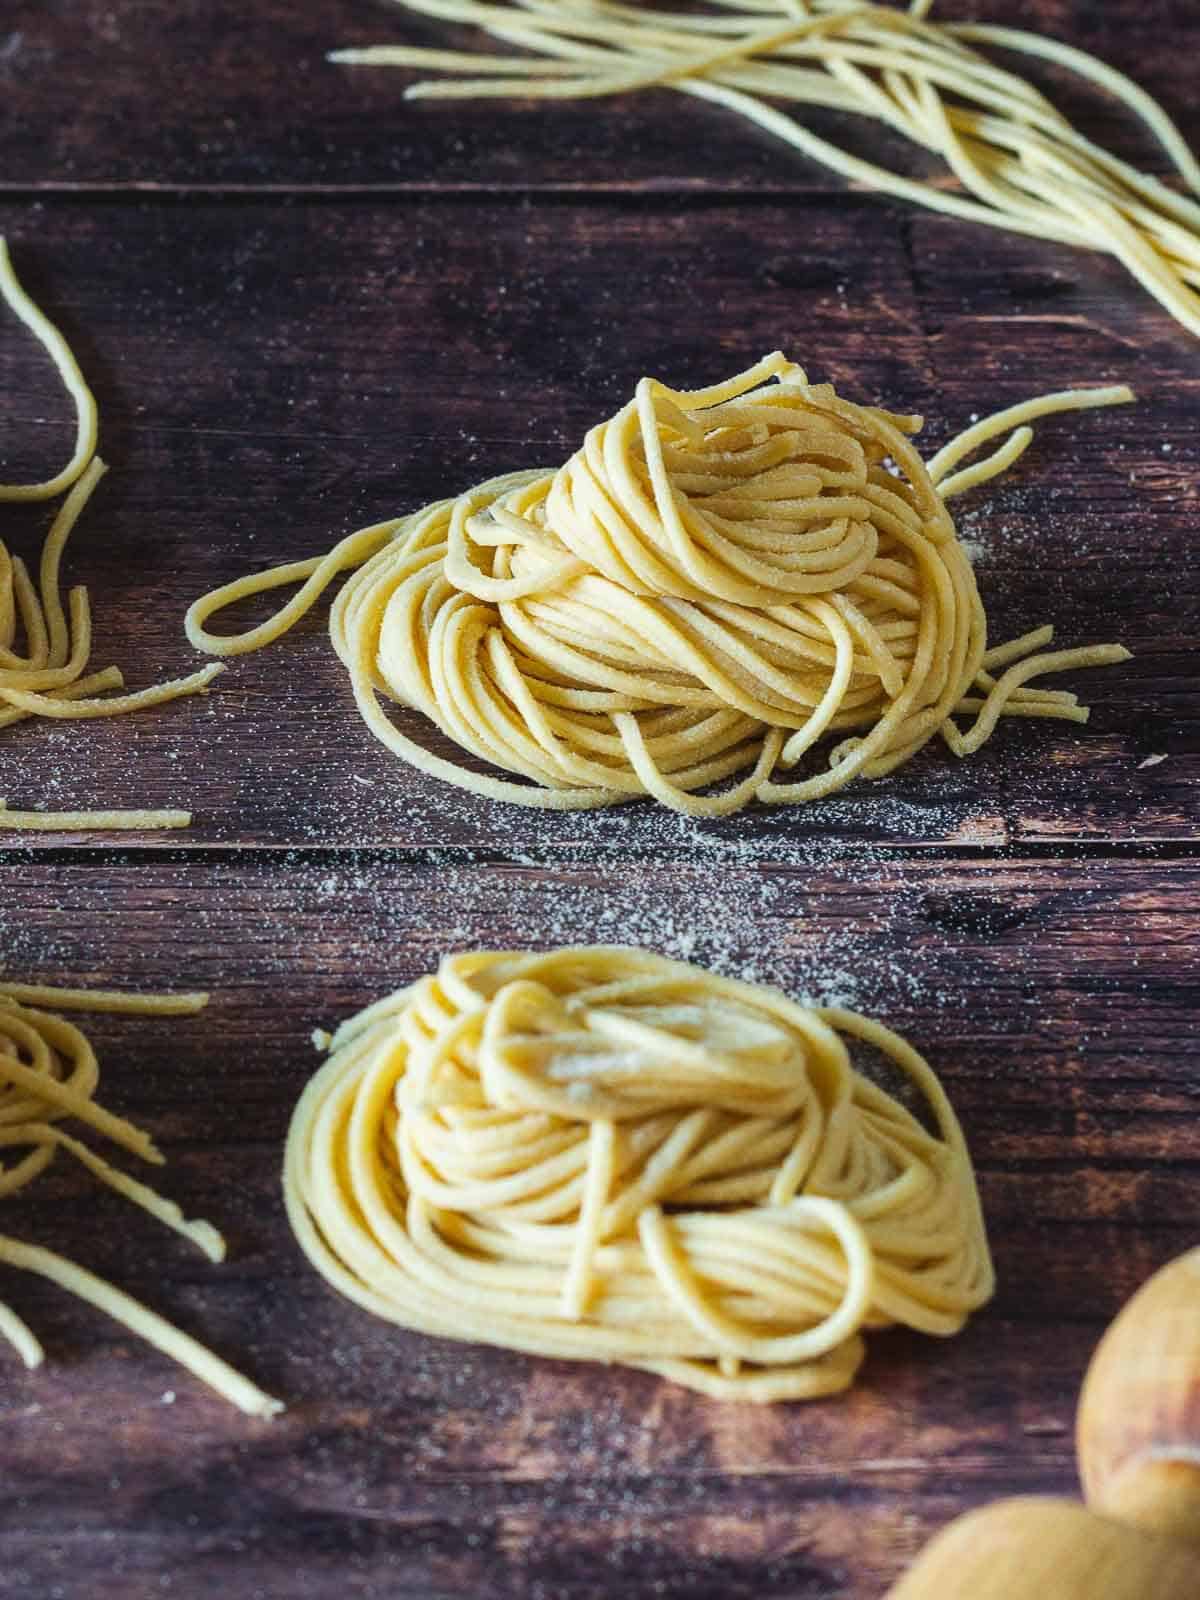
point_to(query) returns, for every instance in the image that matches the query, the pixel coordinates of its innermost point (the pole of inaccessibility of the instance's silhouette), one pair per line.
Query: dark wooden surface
(1056, 1006)
(321, 366)
(305, 304)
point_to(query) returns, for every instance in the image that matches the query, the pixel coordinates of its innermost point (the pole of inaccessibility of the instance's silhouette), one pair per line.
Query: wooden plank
(786, 1550)
(1054, 998)
(202, 94)
(320, 368)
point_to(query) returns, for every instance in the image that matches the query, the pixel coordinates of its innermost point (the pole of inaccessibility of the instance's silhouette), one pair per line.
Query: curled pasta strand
(48, 677)
(76, 386)
(48, 1071)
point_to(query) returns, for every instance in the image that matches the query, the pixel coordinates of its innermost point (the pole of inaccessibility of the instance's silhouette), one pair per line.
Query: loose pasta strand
(140, 1320)
(49, 677)
(185, 1004)
(74, 382)
(48, 1070)
(77, 821)
(997, 134)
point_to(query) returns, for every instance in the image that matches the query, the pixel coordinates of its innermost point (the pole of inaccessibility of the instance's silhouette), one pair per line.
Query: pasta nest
(712, 583)
(603, 1154)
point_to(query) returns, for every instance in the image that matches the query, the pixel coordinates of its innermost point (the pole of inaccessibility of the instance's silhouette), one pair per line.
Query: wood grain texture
(1053, 999)
(319, 367)
(305, 304)
(210, 93)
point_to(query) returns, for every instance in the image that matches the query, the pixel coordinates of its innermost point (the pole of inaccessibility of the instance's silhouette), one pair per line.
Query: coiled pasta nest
(599, 1153)
(713, 583)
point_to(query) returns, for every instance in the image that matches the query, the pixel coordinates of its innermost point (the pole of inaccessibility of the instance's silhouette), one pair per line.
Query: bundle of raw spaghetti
(601, 1154)
(1019, 160)
(49, 676)
(48, 1071)
(714, 582)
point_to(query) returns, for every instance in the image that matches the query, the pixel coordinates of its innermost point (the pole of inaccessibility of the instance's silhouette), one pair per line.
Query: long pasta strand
(48, 1070)
(49, 677)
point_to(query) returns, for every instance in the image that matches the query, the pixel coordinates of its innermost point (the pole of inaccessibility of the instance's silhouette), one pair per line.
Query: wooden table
(305, 304)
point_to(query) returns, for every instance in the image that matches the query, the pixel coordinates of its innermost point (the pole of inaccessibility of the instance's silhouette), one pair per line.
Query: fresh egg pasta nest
(602, 1154)
(712, 584)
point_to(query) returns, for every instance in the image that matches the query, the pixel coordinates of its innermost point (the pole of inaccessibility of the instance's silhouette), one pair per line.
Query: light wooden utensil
(1138, 1439)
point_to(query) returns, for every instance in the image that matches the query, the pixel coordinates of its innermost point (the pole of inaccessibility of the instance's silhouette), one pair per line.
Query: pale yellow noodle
(61, 708)
(601, 1154)
(185, 1003)
(998, 135)
(1018, 417)
(73, 380)
(714, 582)
(48, 677)
(77, 821)
(140, 1320)
(48, 1070)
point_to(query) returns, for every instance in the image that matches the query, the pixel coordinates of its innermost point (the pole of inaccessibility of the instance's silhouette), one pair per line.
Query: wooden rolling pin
(1138, 1439)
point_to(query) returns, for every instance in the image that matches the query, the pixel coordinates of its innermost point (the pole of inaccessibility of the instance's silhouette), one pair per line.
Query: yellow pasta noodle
(714, 582)
(600, 1154)
(48, 1071)
(73, 821)
(49, 676)
(1017, 162)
